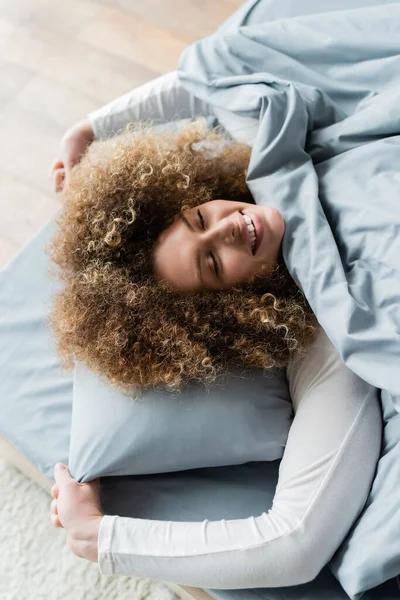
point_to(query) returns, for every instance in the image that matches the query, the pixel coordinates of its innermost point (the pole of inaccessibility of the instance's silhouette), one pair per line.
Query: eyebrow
(198, 261)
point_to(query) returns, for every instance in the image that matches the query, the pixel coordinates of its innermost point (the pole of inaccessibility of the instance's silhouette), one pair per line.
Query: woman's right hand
(73, 145)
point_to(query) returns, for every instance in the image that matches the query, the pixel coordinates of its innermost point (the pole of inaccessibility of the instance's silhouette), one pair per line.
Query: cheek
(238, 267)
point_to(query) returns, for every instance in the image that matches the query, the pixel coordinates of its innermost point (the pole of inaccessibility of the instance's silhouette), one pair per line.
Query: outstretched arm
(161, 99)
(324, 479)
(164, 99)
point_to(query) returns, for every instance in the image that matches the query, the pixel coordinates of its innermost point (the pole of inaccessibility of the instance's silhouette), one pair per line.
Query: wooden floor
(59, 60)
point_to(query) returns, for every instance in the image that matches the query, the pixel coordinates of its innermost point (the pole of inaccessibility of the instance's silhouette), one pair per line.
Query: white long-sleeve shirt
(164, 99)
(329, 461)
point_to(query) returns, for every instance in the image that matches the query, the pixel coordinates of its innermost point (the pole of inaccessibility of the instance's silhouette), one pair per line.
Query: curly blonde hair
(112, 313)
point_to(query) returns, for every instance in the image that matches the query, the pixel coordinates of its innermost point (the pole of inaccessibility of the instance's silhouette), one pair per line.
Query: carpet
(35, 562)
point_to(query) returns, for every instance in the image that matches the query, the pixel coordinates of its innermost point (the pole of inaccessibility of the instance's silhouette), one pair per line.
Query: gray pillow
(247, 418)
(35, 393)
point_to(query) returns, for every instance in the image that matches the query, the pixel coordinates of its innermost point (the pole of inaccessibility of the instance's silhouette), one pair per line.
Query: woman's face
(218, 244)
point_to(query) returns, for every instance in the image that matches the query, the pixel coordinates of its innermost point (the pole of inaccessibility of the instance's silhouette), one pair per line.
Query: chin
(276, 221)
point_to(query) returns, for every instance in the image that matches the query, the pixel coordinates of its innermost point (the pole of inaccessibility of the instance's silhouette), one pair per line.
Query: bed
(33, 384)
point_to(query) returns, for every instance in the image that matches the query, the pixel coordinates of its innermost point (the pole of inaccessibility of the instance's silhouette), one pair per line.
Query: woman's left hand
(76, 507)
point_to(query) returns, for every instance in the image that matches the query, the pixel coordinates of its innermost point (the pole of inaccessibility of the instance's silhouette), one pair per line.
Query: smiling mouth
(251, 230)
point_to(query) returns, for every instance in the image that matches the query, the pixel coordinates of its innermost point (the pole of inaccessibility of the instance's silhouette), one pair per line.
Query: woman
(334, 442)
(162, 219)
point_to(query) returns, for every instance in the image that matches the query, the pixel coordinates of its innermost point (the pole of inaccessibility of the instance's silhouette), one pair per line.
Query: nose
(224, 231)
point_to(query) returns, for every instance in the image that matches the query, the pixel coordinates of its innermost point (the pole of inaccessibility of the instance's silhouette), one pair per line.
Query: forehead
(174, 255)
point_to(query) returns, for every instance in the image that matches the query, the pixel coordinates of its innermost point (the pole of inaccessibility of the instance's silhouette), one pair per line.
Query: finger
(55, 520)
(58, 180)
(55, 491)
(56, 164)
(62, 475)
(54, 507)
(54, 179)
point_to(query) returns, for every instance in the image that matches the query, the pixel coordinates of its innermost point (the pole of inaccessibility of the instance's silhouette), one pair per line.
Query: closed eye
(201, 220)
(215, 263)
(202, 224)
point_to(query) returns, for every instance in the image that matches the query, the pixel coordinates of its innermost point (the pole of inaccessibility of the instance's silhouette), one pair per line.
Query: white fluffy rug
(35, 562)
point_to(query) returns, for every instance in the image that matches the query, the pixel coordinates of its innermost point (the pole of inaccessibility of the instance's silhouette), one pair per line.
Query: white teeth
(251, 229)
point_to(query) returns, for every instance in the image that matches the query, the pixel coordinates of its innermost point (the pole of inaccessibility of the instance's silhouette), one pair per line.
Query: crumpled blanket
(326, 91)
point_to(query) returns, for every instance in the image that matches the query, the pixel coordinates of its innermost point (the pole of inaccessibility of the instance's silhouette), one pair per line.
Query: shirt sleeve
(161, 99)
(324, 479)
